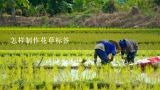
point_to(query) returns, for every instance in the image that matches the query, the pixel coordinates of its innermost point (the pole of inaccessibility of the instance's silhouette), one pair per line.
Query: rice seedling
(62, 69)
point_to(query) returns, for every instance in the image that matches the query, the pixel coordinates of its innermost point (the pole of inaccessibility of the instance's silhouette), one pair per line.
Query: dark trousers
(102, 55)
(130, 57)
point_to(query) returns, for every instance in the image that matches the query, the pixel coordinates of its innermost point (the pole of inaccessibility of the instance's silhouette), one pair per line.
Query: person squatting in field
(104, 48)
(128, 48)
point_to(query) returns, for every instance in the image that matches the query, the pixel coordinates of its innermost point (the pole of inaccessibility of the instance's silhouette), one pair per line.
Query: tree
(1, 7)
(10, 6)
(157, 2)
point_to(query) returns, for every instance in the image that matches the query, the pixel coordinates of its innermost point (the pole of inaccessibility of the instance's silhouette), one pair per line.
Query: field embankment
(85, 20)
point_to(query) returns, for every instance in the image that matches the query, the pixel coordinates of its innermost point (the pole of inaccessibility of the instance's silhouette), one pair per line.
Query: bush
(144, 4)
(79, 5)
(59, 6)
(157, 2)
(18, 12)
(109, 7)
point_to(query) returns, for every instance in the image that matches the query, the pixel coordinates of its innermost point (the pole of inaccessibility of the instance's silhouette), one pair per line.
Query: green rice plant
(95, 87)
(29, 74)
(68, 87)
(86, 88)
(156, 87)
(62, 87)
(49, 86)
(26, 87)
(112, 86)
(30, 77)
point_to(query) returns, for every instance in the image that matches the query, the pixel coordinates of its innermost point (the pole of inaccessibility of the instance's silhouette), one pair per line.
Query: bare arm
(111, 59)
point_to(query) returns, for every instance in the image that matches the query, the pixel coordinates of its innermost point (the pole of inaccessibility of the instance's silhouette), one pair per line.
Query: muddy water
(69, 75)
(73, 75)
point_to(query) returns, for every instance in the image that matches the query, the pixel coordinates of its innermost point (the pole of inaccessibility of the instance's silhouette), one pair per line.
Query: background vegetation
(52, 7)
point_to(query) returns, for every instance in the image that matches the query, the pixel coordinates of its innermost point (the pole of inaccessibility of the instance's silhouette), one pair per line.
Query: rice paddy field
(59, 66)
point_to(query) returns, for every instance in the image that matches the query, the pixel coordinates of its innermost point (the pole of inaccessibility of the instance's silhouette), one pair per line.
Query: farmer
(129, 48)
(104, 48)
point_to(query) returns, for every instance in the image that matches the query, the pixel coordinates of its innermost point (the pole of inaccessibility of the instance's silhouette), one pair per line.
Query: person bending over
(104, 48)
(128, 48)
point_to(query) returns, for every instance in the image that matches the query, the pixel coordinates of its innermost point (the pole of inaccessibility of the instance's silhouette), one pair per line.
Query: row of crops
(64, 53)
(82, 39)
(59, 66)
(18, 72)
(24, 70)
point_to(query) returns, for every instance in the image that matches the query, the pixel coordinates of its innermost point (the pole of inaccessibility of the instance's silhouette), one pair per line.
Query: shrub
(18, 12)
(79, 5)
(157, 2)
(59, 6)
(109, 7)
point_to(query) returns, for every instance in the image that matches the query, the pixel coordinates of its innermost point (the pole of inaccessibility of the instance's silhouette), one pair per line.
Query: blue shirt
(109, 47)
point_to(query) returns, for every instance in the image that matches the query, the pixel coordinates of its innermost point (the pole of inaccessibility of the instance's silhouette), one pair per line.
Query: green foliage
(59, 6)
(23, 3)
(38, 2)
(10, 6)
(157, 2)
(109, 6)
(79, 5)
(143, 5)
(52, 7)
(83, 5)
(1, 5)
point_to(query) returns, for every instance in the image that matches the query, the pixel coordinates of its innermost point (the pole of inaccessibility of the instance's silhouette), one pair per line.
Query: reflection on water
(70, 75)
(73, 75)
